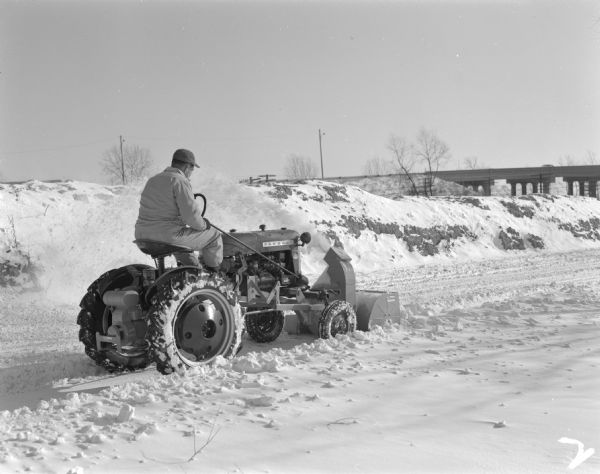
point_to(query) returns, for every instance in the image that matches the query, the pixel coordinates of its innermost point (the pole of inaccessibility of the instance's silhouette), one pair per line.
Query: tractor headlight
(305, 238)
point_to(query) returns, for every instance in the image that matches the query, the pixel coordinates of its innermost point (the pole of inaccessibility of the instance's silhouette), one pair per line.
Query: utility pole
(321, 152)
(122, 162)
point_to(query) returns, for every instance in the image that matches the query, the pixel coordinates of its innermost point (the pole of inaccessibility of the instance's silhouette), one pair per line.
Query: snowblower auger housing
(185, 316)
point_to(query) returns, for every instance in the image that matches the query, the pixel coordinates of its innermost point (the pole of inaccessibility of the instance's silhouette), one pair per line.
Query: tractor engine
(279, 246)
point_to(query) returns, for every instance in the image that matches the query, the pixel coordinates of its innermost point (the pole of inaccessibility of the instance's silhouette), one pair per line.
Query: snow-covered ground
(493, 368)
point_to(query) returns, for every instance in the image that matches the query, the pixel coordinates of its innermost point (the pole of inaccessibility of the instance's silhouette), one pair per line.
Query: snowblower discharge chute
(184, 316)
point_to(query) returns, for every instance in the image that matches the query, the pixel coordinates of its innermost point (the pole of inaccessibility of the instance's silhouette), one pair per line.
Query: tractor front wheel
(264, 327)
(193, 319)
(338, 317)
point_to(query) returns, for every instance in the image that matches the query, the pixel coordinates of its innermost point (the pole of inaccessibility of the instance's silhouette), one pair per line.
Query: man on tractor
(169, 213)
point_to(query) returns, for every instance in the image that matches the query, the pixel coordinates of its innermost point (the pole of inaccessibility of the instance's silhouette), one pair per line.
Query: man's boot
(186, 259)
(212, 270)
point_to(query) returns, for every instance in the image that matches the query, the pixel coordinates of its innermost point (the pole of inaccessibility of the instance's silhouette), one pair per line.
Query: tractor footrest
(110, 340)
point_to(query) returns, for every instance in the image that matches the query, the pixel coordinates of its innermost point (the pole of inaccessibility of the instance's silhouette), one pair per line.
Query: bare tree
(433, 153)
(300, 167)
(135, 165)
(590, 158)
(472, 163)
(404, 160)
(569, 160)
(377, 166)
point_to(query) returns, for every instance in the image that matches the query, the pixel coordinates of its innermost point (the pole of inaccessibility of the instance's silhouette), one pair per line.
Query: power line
(82, 145)
(219, 139)
(321, 133)
(122, 162)
(156, 139)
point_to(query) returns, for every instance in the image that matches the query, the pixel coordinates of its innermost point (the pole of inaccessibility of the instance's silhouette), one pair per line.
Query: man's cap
(185, 156)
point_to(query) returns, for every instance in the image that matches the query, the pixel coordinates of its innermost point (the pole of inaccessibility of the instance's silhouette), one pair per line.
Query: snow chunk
(262, 401)
(272, 424)
(252, 364)
(126, 413)
(96, 438)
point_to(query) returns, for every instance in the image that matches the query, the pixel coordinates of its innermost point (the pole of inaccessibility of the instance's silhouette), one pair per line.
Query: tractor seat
(158, 249)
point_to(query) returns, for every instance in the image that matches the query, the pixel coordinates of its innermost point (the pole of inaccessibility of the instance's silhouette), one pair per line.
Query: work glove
(207, 222)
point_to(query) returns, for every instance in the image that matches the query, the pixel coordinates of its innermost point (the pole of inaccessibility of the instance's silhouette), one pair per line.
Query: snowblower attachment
(371, 307)
(374, 308)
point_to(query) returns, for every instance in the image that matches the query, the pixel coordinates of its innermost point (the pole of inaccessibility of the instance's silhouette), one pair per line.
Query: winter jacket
(167, 206)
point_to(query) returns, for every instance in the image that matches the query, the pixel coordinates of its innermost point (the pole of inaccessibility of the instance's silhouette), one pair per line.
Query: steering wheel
(204, 199)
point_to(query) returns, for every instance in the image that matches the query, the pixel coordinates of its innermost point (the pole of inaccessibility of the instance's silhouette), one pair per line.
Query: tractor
(185, 316)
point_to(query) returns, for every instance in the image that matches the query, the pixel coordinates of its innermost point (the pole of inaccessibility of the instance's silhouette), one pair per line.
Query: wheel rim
(339, 324)
(97, 318)
(202, 326)
(126, 352)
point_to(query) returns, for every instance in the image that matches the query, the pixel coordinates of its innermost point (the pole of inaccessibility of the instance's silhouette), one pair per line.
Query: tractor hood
(260, 241)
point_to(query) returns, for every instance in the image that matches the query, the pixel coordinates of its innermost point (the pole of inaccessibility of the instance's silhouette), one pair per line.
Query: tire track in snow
(489, 280)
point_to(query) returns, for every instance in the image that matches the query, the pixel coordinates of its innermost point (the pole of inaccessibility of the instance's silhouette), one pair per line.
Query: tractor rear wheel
(193, 319)
(338, 317)
(95, 318)
(264, 327)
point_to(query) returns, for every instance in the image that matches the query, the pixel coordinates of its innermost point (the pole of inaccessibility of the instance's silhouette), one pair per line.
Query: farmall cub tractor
(183, 316)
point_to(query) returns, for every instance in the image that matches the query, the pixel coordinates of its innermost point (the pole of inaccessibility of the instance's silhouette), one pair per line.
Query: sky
(245, 84)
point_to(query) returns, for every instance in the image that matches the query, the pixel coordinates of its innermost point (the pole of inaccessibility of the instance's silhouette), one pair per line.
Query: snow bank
(61, 236)
(378, 232)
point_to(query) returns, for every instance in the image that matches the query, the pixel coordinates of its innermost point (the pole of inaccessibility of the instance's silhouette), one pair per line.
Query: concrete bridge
(585, 177)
